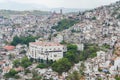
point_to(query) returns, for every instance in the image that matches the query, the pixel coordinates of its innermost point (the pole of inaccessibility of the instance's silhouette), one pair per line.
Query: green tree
(11, 73)
(62, 65)
(65, 24)
(72, 57)
(81, 69)
(72, 47)
(117, 77)
(94, 18)
(25, 62)
(16, 40)
(118, 17)
(74, 76)
(23, 40)
(42, 65)
(16, 63)
(89, 51)
(27, 71)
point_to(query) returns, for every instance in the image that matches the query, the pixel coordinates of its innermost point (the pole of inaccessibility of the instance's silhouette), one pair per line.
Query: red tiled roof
(1, 62)
(9, 48)
(19, 69)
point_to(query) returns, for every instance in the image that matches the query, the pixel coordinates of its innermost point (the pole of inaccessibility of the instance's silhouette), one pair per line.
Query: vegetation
(23, 40)
(77, 75)
(72, 54)
(7, 13)
(63, 42)
(72, 57)
(72, 48)
(62, 65)
(27, 71)
(99, 69)
(23, 52)
(16, 63)
(106, 46)
(36, 76)
(42, 65)
(118, 17)
(65, 24)
(75, 31)
(99, 78)
(117, 77)
(24, 62)
(74, 76)
(89, 51)
(11, 74)
(81, 69)
(94, 18)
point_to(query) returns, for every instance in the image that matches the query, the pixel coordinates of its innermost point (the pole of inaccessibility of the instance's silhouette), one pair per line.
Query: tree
(118, 17)
(16, 40)
(89, 51)
(94, 18)
(72, 48)
(16, 63)
(117, 77)
(25, 62)
(62, 65)
(74, 76)
(11, 73)
(72, 57)
(65, 24)
(27, 71)
(23, 40)
(81, 69)
(42, 65)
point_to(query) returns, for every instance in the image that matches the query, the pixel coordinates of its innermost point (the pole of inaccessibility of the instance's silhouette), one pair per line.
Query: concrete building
(45, 50)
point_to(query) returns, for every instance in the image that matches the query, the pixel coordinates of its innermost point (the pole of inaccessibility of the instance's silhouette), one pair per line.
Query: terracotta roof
(19, 69)
(9, 48)
(1, 62)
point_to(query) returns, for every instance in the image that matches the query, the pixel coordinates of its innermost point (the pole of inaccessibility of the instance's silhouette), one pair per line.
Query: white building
(45, 50)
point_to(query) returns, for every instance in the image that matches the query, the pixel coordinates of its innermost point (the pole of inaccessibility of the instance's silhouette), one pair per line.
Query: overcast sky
(57, 3)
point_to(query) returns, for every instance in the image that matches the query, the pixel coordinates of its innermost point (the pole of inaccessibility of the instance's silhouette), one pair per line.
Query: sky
(36, 4)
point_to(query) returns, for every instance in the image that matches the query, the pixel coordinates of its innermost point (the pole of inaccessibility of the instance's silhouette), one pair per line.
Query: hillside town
(87, 46)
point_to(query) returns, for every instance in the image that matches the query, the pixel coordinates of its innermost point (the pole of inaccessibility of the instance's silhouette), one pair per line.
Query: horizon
(48, 5)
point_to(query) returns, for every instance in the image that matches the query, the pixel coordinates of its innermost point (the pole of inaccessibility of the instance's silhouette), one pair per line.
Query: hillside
(12, 12)
(99, 25)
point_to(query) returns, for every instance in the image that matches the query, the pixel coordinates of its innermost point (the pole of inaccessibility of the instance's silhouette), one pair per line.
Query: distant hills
(10, 5)
(38, 12)
(32, 12)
